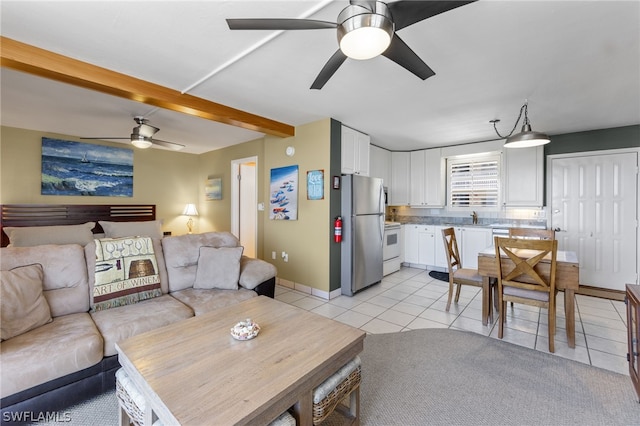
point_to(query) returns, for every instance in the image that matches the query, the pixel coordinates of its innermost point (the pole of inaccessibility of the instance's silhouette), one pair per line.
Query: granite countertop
(464, 222)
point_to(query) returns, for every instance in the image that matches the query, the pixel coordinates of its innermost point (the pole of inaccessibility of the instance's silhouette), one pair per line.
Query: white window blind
(474, 182)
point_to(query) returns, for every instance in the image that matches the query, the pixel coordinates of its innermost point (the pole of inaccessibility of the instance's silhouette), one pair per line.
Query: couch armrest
(254, 272)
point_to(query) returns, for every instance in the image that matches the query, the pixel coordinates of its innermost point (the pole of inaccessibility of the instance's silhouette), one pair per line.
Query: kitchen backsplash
(511, 217)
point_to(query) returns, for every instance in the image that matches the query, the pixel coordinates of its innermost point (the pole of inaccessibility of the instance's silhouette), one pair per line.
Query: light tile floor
(410, 299)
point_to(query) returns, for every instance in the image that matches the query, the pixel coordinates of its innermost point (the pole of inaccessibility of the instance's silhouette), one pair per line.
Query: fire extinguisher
(337, 230)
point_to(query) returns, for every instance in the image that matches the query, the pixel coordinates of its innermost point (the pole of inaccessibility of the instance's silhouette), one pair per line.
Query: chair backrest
(451, 248)
(528, 264)
(539, 234)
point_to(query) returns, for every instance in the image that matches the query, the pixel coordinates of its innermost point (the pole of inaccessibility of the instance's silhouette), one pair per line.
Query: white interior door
(594, 202)
(244, 203)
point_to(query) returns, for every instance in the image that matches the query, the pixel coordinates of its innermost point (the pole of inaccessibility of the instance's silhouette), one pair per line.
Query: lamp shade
(527, 138)
(190, 210)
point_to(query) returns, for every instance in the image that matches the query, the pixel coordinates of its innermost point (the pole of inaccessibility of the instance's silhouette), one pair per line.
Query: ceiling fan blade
(278, 24)
(329, 69)
(408, 12)
(401, 54)
(171, 145)
(106, 137)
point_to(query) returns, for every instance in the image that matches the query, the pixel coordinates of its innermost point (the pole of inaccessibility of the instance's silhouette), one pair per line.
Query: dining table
(567, 280)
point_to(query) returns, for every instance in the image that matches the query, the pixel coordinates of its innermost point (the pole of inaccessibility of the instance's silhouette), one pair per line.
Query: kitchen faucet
(474, 215)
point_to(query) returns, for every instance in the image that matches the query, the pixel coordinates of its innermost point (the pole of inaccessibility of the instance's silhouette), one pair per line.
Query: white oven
(391, 248)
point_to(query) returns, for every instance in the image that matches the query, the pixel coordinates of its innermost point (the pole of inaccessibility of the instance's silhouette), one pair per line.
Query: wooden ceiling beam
(43, 63)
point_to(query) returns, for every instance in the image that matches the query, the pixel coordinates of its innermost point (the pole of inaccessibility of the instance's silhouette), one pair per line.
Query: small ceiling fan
(366, 29)
(142, 136)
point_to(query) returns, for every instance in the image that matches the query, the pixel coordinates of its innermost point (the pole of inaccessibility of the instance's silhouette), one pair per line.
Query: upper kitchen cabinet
(400, 177)
(355, 152)
(380, 164)
(427, 179)
(524, 176)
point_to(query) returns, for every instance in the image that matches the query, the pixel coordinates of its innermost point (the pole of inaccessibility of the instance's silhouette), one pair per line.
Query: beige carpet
(449, 377)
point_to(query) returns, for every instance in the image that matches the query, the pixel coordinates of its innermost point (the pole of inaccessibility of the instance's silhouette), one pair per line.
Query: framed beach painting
(76, 168)
(283, 200)
(213, 189)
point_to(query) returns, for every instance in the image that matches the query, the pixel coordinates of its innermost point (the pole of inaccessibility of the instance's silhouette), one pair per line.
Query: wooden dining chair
(539, 234)
(457, 274)
(524, 278)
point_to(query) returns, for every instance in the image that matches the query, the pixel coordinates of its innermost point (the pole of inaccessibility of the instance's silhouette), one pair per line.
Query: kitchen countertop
(484, 223)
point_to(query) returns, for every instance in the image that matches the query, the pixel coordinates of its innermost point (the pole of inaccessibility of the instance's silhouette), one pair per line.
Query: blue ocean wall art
(76, 168)
(283, 199)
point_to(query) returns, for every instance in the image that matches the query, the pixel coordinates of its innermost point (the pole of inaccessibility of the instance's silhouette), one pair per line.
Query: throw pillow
(29, 236)
(218, 268)
(126, 272)
(22, 304)
(150, 228)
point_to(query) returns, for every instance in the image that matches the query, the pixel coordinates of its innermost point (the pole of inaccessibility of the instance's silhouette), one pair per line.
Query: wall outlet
(285, 256)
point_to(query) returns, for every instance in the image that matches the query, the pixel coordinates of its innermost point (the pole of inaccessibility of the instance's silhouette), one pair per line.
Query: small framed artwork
(336, 182)
(315, 185)
(213, 189)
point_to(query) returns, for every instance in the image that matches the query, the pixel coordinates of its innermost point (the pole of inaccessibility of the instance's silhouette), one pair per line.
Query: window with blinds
(474, 182)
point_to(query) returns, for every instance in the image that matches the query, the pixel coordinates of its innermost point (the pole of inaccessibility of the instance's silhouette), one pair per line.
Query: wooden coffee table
(194, 373)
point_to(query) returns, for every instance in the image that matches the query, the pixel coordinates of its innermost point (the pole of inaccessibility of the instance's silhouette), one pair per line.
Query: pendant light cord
(523, 108)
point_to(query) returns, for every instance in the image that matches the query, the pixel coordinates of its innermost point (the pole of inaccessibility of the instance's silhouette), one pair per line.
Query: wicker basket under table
(348, 386)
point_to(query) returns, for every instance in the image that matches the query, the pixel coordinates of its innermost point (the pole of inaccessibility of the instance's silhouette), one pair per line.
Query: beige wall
(307, 239)
(170, 180)
(161, 177)
(215, 215)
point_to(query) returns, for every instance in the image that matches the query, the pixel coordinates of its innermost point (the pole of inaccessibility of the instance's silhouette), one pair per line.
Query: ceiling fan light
(364, 34)
(527, 138)
(140, 141)
(365, 43)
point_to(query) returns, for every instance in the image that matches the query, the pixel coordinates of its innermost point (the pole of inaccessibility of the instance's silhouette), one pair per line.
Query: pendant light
(527, 137)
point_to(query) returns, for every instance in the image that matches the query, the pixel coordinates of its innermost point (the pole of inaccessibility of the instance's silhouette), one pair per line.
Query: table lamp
(190, 210)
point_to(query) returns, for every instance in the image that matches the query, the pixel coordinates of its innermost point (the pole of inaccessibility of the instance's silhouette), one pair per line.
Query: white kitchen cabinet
(355, 152)
(400, 178)
(380, 164)
(440, 249)
(419, 245)
(427, 178)
(471, 241)
(523, 176)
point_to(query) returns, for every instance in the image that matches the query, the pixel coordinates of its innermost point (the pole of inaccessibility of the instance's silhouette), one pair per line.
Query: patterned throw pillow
(126, 272)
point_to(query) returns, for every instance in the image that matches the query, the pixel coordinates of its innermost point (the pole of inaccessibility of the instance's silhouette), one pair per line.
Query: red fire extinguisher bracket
(337, 230)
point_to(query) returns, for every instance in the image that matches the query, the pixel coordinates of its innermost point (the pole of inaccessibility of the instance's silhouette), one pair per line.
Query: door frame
(549, 188)
(235, 197)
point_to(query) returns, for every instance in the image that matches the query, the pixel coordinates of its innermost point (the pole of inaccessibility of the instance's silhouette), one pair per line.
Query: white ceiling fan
(142, 136)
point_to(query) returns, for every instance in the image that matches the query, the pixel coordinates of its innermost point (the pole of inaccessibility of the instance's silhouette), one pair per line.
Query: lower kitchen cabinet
(419, 245)
(471, 241)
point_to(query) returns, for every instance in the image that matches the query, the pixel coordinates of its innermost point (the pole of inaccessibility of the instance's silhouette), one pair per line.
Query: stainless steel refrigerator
(362, 232)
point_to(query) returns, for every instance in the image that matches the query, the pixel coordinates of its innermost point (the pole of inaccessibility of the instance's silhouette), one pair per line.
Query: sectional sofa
(60, 324)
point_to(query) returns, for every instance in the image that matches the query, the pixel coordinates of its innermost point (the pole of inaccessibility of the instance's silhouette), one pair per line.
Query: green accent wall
(594, 140)
(335, 202)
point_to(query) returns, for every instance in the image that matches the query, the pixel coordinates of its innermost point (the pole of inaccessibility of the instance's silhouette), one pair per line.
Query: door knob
(557, 230)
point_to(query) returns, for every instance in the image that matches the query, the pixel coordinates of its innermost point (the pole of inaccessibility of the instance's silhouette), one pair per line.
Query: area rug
(442, 276)
(450, 377)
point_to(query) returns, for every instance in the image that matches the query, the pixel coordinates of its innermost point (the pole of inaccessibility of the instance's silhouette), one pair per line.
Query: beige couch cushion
(205, 300)
(218, 268)
(255, 271)
(182, 252)
(126, 321)
(22, 304)
(66, 286)
(29, 236)
(28, 360)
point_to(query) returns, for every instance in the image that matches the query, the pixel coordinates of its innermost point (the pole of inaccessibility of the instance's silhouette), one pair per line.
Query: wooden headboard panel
(72, 214)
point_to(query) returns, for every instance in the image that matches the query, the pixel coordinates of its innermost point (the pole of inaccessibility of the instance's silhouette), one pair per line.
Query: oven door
(391, 248)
